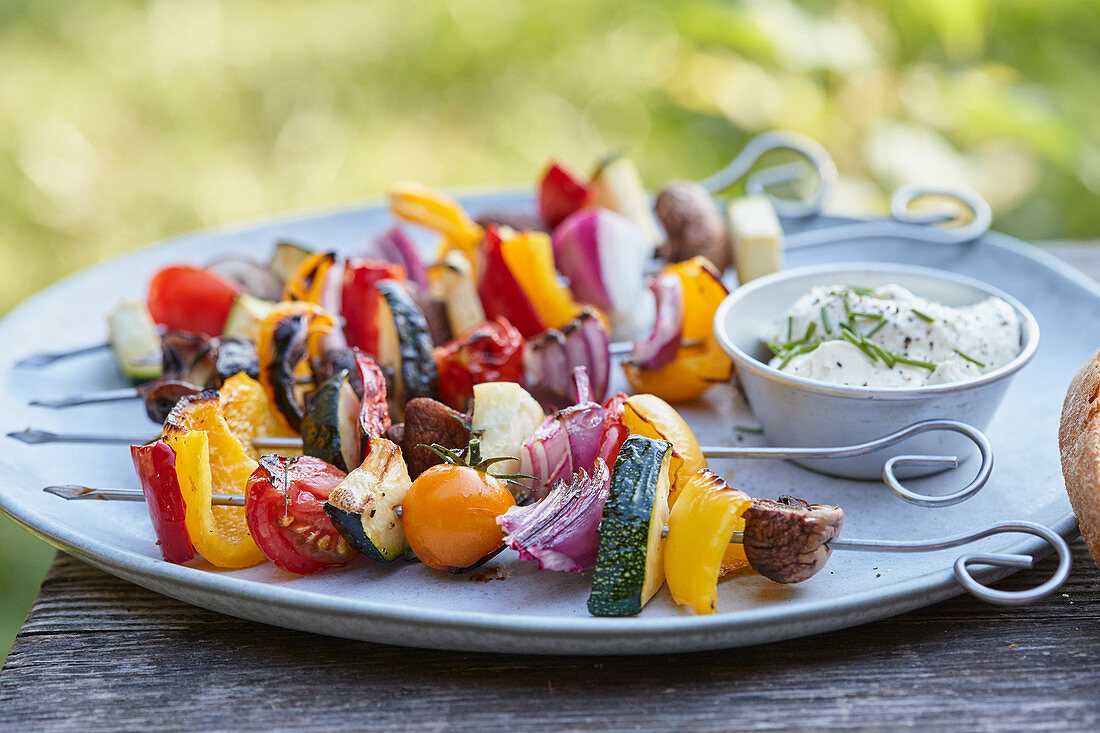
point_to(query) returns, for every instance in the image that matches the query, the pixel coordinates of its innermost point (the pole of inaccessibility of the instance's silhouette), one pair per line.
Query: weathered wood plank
(100, 654)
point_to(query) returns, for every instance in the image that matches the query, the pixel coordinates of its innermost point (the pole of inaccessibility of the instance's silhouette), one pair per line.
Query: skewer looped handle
(963, 563)
(888, 471)
(909, 223)
(820, 162)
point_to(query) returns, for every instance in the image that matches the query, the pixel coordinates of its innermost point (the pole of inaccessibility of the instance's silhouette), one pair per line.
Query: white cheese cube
(756, 237)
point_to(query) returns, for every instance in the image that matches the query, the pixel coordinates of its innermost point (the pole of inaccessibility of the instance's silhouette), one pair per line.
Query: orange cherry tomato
(449, 515)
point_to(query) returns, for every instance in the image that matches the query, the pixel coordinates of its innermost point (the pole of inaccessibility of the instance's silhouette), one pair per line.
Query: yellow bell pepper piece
(700, 526)
(697, 367)
(248, 413)
(652, 417)
(210, 460)
(419, 204)
(308, 279)
(530, 258)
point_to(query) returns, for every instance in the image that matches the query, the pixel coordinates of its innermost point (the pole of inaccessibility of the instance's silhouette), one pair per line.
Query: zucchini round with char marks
(405, 347)
(363, 506)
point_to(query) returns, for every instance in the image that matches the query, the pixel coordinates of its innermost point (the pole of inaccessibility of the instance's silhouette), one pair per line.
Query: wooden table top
(97, 653)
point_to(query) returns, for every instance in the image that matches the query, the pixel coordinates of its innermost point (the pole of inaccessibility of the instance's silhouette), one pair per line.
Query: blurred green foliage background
(125, 122)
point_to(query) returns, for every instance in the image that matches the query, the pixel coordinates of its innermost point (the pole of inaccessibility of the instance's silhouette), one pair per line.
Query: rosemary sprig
(970, 359)
(923, 316)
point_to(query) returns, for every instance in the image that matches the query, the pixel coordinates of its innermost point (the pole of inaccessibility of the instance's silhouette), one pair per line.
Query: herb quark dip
(889, 337)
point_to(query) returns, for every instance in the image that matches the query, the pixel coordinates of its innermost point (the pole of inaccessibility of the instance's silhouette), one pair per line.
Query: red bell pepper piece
(156, 469)
(359, 300)
(490, 352)
(185, 298)
(374, 415)
(500, 292)
(561, 193)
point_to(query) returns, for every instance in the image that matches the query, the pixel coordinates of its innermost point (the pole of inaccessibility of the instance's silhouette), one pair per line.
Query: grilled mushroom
(693, 223)
(786, 540)
(429, 422)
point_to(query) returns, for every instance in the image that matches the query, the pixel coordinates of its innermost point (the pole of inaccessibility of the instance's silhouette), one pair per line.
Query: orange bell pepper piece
(652, 417)
(700, 527)
(703, 364)
(308, 279)
(210, 460)
(421, 205)
(530, 257)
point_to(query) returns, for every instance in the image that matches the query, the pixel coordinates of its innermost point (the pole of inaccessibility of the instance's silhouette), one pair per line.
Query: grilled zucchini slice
(405, 347)
(630, 565)
(330, 428)
(362, 507)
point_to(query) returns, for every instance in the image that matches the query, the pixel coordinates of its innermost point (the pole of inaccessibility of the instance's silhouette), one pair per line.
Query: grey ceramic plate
(530, 611)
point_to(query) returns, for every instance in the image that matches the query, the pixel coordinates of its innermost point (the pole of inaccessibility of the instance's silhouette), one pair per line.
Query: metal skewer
(889, 475)
(963, 562)
(88, 398)
(35, 361)
(961, 567)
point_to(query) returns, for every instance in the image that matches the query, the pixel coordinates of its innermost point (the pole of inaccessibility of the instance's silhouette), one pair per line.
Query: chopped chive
(790, 327)
(803, 349)
(847, 306)
(748, 429)
(923, 316)
(914, 362)
(859, 343)
(869, 316)
(810, 329)
(875, 330)
(970, 359)
(774, 348)
(860, 290)
(885, 355)
(825, 320)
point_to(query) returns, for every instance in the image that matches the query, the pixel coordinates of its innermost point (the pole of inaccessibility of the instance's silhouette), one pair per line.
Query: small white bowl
(800, 412)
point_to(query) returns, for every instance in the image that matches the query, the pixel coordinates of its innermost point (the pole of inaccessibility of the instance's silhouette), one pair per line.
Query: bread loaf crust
(1079, 443)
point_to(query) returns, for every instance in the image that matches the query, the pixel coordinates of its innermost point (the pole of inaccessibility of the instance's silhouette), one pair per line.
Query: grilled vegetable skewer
(834, 542)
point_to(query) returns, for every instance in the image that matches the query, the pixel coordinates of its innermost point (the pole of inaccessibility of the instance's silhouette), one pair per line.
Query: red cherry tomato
(186, 298)
(489, 352)
(285, 510)
(156, 469)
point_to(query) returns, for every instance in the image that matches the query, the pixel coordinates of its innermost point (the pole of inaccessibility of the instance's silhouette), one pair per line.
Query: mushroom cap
(787, 540)
(693, 224)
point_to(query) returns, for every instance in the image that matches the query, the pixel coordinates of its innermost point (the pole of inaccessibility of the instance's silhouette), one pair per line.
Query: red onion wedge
(551, 357)
(662, 345)
(604, 256)
(561, 532)
(566, 442)
(395, 246)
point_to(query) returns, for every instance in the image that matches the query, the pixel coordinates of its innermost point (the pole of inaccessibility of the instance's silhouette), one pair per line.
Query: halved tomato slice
(285, 509)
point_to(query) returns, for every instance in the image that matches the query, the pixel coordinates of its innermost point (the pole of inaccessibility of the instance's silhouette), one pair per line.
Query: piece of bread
(1079, 442)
